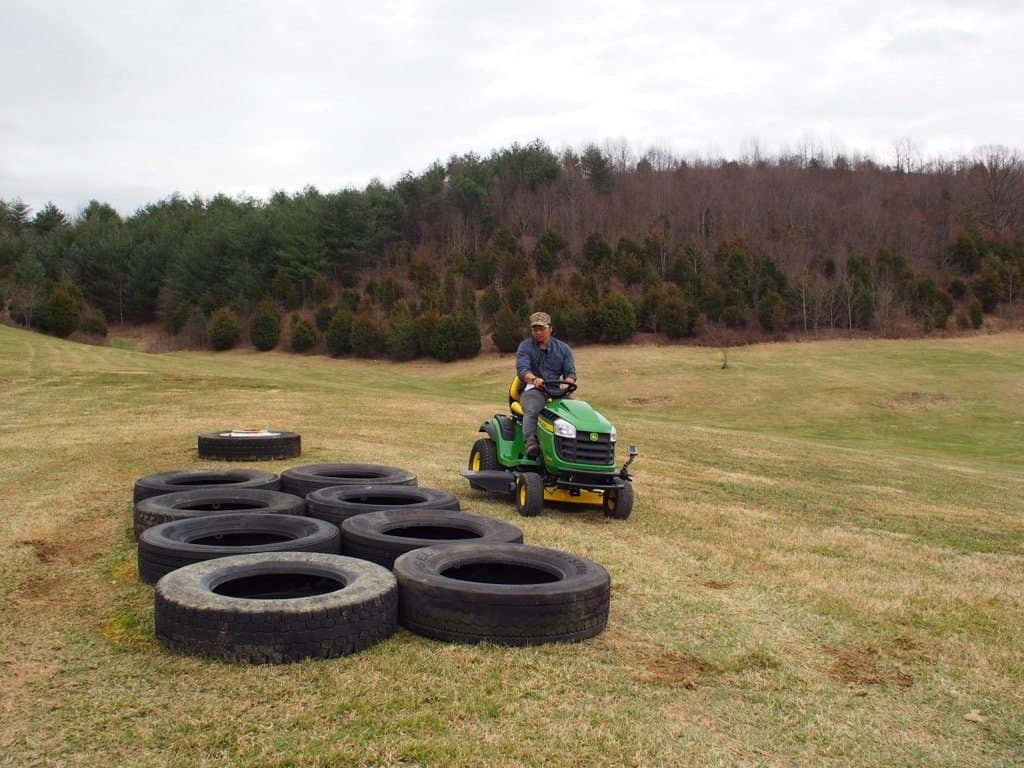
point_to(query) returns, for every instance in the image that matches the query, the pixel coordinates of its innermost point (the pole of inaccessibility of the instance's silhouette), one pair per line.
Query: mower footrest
(491, 480)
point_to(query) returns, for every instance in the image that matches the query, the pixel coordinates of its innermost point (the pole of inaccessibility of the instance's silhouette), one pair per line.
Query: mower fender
(488, 427)
(491, 480)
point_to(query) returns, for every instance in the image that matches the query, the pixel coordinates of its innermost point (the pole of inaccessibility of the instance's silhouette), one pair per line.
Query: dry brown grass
(824, 565)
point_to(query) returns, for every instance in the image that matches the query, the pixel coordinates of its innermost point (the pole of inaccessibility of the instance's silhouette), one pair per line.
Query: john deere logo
(594, 437)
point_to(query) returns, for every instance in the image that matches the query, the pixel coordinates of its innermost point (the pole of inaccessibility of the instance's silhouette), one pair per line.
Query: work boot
(532, 450)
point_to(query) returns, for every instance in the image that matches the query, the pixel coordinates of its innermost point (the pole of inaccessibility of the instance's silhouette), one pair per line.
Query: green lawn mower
(576, 463)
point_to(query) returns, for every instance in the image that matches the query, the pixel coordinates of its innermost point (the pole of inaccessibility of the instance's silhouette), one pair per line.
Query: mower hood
(578, 413)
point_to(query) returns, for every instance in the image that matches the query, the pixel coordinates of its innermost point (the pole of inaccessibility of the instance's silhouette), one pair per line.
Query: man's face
(541, 334)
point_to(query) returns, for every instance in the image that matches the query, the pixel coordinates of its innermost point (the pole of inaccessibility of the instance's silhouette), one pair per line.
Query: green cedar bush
(506, 329)
(302, 334)
(338, 333)
(224, 331)
(265, 328)
(616, 317)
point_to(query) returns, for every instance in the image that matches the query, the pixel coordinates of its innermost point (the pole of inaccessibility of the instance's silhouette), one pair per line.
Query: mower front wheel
(618, 502)
(529, 494)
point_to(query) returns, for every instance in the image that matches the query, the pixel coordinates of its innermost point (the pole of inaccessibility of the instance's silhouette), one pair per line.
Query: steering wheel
(558, 388)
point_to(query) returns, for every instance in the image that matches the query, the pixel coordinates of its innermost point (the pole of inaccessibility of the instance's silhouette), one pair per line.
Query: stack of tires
(326, 559)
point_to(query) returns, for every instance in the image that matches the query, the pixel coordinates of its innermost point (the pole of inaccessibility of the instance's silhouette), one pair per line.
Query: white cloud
(129, 103)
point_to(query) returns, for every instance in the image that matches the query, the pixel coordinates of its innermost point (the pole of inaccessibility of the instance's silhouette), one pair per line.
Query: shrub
(323, 316)
(302, 334)
(224, 330)
(771, 311)
(177, 318)
(733, 316)
(401, 340)
(321, 289)
(988, 288)
(976, 314)
(59, 314)
(678, 316)
(957, 288)
(443, 345)
(338, 334)
(93, 322)
(265, 329)
(616, 317)
(467, 335)
(365, 337)
(506, 329)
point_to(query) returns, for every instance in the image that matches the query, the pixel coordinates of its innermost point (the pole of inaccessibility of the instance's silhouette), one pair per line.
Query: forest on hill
(607, 243)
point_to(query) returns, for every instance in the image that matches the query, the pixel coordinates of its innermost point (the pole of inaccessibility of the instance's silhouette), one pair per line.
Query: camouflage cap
(540, 318)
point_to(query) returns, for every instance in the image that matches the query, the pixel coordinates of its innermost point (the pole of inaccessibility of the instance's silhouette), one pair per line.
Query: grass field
(824, 566)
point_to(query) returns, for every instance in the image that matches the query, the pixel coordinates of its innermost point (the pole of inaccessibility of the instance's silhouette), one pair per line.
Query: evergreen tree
(224, 331)
(265, 328)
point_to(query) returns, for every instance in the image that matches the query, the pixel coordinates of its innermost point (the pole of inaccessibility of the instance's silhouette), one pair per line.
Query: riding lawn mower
(576, 464)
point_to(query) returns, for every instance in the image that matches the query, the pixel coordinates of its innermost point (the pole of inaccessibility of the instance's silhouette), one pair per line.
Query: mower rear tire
(618, 502)
(529, 494)
(483, 457)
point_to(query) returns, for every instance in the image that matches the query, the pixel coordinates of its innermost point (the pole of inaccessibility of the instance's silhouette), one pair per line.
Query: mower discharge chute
(576, 462)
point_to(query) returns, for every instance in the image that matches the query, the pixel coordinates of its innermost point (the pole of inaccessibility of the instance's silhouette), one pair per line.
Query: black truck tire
(212, 501)
(311, 477)
(510, 594)
(245, 445)
(274, 608)
(169, 546)
(338, 503)
(186, 479)
(384, 535)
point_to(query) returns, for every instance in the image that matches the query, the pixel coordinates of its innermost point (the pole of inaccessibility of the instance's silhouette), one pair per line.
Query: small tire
(384, 535)
(510, 594)
(186, 479)
(338, 503)
(617, 502)
(212, 501)
(311, 477)
(529, 494)
(241, 445)
(274, 608)
(169, 546)
(483, 456)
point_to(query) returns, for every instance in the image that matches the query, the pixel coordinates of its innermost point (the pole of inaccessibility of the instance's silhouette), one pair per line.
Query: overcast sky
(130, 102)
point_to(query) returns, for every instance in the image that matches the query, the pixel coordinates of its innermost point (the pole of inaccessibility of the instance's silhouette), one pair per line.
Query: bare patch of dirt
(45, 551)
(74, 553)
(712, 584)
(914, 402)
(652, 664)
(671, 668)
(865, 665)
(655, 400)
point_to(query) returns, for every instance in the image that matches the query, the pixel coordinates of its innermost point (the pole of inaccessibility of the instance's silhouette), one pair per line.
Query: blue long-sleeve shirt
(550, 364)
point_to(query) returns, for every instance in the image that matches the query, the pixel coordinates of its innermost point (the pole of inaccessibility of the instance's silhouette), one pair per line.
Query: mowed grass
(824, 566)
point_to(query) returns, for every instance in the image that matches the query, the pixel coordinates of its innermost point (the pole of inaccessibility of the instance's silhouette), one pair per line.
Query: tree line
(608, 243)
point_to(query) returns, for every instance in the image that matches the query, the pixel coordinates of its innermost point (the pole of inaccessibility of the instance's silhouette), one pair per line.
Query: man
(540, 358)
